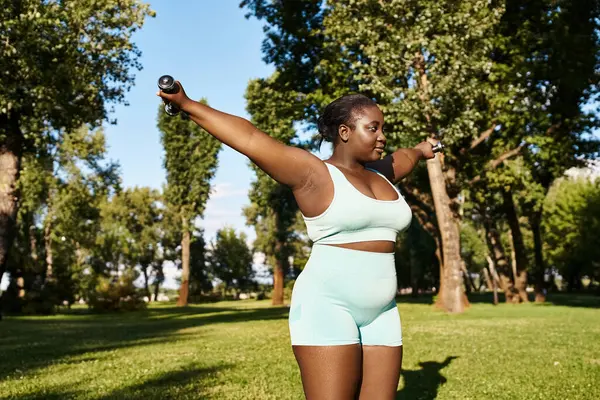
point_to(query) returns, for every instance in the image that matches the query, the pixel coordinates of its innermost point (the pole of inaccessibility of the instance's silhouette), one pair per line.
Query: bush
(116, 294)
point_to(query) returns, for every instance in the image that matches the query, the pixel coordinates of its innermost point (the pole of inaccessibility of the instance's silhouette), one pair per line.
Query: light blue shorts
(343, 297)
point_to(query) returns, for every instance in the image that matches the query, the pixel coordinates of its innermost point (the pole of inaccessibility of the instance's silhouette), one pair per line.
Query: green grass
(240, 350)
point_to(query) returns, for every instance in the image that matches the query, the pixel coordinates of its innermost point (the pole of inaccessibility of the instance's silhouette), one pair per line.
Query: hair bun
(323, 128)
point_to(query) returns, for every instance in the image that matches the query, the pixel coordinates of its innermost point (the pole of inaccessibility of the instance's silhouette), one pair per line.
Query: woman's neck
(345, 160)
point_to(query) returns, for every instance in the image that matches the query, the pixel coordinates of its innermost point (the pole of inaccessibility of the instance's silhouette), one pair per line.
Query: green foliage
(116, 293)
(230, 260)
(63, 61)
(273, 211)
(416, 265)
(571, 229)
(473, 247)
(190, 162)
(58, 220)
(200, 276)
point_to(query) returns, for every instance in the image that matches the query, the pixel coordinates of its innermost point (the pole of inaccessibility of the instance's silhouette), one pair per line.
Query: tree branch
(484, 135)
(495, 163)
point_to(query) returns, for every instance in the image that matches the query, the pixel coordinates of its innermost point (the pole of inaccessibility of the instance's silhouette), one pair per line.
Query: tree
(190, 162)
(62, 64)
(200, 274)
(230, 260)
(61, 187)
(571, 227)
(273, 211)
(544, 73)
(136, 214)
(422, 61)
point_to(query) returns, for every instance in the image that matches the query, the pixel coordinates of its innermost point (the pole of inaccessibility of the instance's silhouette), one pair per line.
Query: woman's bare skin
(328, 372)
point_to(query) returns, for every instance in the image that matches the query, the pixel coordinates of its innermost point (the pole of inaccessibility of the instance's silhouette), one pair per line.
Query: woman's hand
(179, 98)
(426, 149)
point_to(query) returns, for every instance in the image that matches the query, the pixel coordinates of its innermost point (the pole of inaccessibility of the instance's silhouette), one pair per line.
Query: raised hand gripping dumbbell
(167, 84)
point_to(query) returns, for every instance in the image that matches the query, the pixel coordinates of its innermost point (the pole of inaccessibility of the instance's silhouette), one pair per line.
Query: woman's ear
(344, 132)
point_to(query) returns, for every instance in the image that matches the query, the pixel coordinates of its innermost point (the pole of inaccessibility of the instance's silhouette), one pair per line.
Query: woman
(344, 323)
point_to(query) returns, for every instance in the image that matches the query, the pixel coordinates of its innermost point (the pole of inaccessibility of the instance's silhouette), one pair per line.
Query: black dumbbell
(167, 84)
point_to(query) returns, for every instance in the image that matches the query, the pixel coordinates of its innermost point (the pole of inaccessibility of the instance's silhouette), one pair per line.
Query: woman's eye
(373, 129)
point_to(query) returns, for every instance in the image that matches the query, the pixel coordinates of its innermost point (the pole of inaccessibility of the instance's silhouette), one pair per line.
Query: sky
(214, 51)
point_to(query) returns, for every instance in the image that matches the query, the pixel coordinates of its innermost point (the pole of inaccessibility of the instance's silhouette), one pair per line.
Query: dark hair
(341, 111)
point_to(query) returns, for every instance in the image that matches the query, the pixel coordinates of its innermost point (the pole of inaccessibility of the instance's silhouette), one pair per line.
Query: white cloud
(226, 189)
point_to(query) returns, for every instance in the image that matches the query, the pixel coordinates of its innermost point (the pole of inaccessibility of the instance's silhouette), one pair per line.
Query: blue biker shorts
(345, 296)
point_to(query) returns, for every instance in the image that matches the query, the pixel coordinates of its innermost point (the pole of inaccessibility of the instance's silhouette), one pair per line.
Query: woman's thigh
(330, 372)
(381, 367)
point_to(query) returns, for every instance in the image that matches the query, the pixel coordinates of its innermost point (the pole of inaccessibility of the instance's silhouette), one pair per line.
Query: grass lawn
(240, 350)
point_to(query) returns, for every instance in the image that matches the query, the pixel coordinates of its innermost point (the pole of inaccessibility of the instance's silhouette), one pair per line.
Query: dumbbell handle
(167, 84)
(436, 148)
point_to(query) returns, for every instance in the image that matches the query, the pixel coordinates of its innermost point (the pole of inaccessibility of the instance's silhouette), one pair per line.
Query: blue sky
(214, 51)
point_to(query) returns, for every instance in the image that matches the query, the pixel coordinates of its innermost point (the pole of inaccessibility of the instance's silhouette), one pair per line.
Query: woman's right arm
(288, 165)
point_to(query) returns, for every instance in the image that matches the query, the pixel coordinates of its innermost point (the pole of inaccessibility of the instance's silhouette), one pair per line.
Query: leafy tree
(200, 274)
(190, 162)
(137, 213)
(421, 61)
(415, 260)
(544, 72)
(571, 228)
(273, 210)
(62, 64)
(230, 260)
(498, 81)
(61, 190)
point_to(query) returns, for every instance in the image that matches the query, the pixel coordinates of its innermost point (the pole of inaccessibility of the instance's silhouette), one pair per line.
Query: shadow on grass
(27, 344)
(171, 385)
(423, 384)
(574, 300)
(557, 299)
(175, 384)
(427, 298)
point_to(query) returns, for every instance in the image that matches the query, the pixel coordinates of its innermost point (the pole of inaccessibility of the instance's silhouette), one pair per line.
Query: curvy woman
(344, 324)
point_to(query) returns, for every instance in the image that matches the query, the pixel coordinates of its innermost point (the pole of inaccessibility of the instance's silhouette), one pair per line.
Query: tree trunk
(48, 247)
(185, 267)
(469, 284)
(33, 245)
(520, 256)
(494, 278)
(486, 279)
(146, 283)
(540, 268)
(156, 288)
(278, 276)
(10, 165)
(500, 261)
(451, 296)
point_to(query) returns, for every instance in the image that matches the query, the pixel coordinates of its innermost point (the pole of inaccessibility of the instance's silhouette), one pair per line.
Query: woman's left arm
(401, 162)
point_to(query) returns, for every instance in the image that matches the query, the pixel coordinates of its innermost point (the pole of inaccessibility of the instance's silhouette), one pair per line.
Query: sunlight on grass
(240, 350)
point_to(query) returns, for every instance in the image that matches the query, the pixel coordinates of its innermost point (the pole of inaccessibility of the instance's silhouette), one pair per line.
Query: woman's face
(366, 140)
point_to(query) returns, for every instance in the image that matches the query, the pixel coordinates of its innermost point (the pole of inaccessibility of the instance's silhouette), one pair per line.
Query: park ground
(240, 350)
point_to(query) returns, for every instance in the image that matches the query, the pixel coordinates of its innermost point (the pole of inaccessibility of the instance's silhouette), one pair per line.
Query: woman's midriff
(375, 246)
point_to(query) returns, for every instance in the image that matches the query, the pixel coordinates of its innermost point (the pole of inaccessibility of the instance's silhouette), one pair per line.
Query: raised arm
(288, 165)
(401, 162)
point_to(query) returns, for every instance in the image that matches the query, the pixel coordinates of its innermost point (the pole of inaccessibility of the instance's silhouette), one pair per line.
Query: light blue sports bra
(355, 217)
